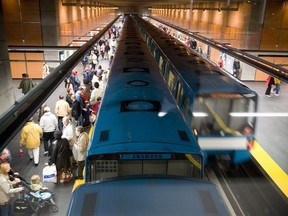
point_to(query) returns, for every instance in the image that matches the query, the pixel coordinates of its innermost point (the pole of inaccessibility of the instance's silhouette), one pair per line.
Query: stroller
(32, 202)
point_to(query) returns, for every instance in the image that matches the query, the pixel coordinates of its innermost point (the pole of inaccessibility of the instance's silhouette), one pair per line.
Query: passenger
(101, 83)
(6, 190)
(220, 62)
(81, 146)
(99, 71)
(69, 85)
(87, 75)
(75, 80)
(30, 138)
(69, 131)
(193, 44)
(94, 109)
(92, 59)
(61, 158)
(269, 83)
(199, 50)
(106, 51)
(26, 84)
(110, 61)
(41, 111)
(68, 97)
(97, 92)
(105, 77)
(69, 134)
(36, 184)
(77, 106)
(236, 68)
(5, 157)
(62, 109)
(277, 83)
(49, 124)
(46, 70)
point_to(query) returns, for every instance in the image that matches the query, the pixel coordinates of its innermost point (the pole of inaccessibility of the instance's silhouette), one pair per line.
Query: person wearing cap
(30, 138)
(49, 124)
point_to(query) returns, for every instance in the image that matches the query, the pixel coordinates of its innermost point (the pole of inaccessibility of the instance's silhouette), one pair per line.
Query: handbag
(50, 174)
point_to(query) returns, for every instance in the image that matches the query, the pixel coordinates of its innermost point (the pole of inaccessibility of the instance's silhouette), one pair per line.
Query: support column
(50, 28)
(7, 96)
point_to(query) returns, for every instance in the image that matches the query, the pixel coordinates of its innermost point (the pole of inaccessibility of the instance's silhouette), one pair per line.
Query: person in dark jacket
(76, 110)
(61, 158)
(26, 84)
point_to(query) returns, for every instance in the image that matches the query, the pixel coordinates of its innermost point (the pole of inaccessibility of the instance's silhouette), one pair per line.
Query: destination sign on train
(145, 156)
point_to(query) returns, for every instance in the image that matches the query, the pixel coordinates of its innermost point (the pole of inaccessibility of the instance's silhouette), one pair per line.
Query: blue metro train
(143, 158)
(216, 106)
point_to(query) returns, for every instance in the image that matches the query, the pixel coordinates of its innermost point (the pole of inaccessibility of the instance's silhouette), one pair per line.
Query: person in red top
(95, 106)
(220, 62)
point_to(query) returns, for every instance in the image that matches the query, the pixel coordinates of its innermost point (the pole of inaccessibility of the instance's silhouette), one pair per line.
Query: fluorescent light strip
(199, 114)
(244, 114)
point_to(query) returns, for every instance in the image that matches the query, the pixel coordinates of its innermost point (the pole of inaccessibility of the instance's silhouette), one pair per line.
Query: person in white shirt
(49, 124)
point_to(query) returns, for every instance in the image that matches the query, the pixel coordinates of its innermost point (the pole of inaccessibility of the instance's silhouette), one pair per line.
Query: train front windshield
(129, 164)
(224, 114)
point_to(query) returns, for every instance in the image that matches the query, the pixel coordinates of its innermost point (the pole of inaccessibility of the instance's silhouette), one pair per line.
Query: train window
(179, 94)
(219, 114)
(142, 163)
(171, 82)
(160, 63)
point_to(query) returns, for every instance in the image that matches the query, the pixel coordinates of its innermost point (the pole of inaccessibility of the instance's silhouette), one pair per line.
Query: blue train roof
(138, 112)
(147, 196)
(201, 76)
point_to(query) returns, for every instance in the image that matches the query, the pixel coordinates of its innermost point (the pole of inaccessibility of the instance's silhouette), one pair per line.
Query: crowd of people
(62, 132)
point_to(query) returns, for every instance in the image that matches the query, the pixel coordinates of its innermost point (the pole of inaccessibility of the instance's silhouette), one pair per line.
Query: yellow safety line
(219, 120)
(80, 181)
(279, 177)
(193, 161)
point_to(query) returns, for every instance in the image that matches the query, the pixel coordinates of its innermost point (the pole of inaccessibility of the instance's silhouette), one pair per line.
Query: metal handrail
(261, 64)
(14, 118)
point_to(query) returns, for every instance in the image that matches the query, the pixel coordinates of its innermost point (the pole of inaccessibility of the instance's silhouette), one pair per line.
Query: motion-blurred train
(143, 158)
(216, 106)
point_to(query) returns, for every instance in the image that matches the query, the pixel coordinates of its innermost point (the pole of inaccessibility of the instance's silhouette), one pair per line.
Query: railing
(14, 118)
(258, 63)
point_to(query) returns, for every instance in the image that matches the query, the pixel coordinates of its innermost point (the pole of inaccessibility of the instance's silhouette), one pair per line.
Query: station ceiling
(150, 3)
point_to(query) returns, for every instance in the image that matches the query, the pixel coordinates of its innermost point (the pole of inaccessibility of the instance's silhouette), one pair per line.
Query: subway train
(142, 158)
(216, 106)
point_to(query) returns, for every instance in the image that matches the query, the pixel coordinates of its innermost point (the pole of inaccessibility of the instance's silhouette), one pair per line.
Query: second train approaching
(217, 107)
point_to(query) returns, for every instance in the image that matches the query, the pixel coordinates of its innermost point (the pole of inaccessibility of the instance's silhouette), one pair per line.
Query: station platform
(271, 137)
(23, 164)
(270, 150)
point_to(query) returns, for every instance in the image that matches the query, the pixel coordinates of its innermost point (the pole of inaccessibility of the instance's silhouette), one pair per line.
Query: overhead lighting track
(88, 3)
(199, 9)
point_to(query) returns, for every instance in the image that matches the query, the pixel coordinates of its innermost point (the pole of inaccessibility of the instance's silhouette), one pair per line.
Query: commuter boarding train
(218, 107)
(143, 158)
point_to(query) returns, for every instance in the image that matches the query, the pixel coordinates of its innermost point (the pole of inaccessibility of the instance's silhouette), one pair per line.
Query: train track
(247, 190)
